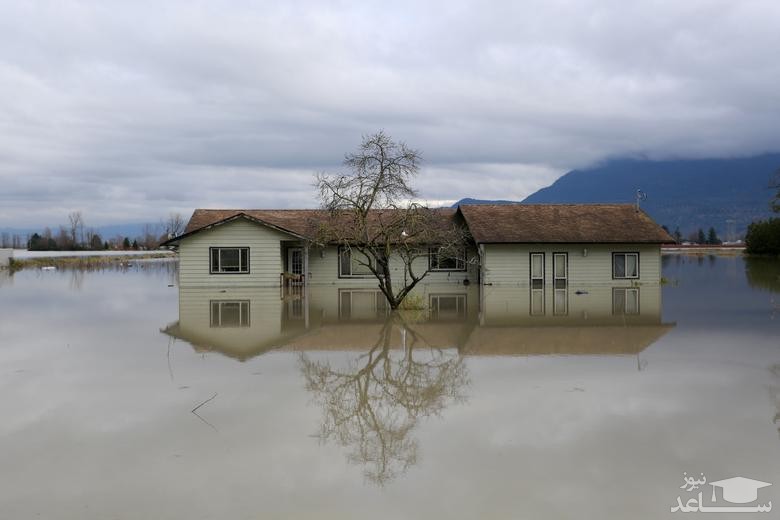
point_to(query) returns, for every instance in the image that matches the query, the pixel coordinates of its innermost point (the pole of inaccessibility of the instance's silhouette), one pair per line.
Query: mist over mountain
(727, 194)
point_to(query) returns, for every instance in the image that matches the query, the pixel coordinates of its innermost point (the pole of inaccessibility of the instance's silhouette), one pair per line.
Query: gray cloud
(129, 110)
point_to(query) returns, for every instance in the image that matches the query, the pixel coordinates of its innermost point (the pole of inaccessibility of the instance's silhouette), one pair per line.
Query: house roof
(488, 223)
(302, 223)
(561, 223)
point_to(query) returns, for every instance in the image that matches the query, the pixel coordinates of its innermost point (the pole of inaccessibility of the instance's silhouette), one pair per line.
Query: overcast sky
(130, 110)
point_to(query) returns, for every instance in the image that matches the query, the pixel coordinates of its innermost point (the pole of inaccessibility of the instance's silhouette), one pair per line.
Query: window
(560, 266)
(233, 313)
(447, 261)
(229, 260)
(537, 270)
(560, 302)
(353, 263)
(537, 302)
(625, 265)
(362, 304)
(625, 300)
(447, 306)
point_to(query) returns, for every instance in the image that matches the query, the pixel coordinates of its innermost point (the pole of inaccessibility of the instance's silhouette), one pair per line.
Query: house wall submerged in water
(514, 245)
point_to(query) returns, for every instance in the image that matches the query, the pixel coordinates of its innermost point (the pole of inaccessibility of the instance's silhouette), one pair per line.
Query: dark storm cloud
(129, 110)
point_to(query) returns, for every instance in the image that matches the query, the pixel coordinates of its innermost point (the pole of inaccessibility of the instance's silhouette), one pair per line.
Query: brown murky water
(501, 403)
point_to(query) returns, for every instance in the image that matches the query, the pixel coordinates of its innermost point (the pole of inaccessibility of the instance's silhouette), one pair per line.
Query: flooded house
(521, 245)
(568, 278)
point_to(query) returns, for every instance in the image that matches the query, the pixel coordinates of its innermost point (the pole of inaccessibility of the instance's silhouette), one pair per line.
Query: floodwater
(125, 397)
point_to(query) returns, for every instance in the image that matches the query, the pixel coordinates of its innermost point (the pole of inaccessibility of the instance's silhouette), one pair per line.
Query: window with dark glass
(537, 270)
(353, 263)
(625, 265)
(443, 260)
(227, 260)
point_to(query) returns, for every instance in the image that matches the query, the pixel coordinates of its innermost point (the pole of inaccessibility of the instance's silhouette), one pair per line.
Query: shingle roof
(559, 223)
(505, 223)
(299, 222)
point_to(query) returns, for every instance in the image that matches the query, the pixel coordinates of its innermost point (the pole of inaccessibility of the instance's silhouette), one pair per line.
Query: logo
(736, 490)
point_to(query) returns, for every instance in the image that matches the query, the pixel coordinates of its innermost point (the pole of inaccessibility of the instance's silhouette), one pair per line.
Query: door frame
(290, 252)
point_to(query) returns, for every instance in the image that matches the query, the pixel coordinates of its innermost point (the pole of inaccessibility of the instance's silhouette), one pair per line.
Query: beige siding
(323, 270)
(265, 257)
(270, 321)
(325, 300)
(592, 306)
(509, 264)
(267, 260)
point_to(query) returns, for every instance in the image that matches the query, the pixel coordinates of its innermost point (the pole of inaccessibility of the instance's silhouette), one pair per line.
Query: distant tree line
(696, 237)
(76, 236)
(763, 237)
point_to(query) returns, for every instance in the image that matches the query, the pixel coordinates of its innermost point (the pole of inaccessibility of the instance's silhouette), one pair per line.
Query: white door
(295, 260)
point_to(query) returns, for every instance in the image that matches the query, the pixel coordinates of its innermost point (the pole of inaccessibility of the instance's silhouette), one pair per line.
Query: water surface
(500, 403)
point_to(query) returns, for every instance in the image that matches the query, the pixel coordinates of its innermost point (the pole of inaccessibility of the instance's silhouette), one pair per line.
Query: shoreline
(87, 261)
(703, 250)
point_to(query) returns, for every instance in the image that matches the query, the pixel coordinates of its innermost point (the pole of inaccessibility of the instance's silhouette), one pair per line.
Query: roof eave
(174, 242)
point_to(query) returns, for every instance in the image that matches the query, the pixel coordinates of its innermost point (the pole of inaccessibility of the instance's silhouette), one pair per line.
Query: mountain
(468, 200)
(727, 194)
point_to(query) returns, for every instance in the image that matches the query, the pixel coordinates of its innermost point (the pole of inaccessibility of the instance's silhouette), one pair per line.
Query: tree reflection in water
(373, 404)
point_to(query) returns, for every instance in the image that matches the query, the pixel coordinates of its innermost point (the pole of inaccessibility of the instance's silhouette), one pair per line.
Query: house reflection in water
(409, 365)
(246, 322)
(558, 320)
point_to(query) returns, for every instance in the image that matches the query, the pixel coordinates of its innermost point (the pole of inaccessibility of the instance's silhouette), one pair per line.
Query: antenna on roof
(640, 196)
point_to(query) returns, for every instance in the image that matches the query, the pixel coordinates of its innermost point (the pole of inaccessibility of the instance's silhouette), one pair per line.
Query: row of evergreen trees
(699, 237)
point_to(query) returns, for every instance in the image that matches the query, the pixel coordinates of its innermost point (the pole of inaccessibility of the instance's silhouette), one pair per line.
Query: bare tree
(63, 239)
(173, 225)
(5, 239)
(76, 226)
(372, 214)
(150, 236)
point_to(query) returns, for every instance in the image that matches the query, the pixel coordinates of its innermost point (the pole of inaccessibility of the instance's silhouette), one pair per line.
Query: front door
(295, 260)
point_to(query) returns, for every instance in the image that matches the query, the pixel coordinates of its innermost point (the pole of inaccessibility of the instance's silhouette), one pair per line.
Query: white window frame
(243, 266)
(378, 308)
(531, 268)
(625, 255)
(556, 274)
(560, 302)
(344, 250)
(434, 254)
(624, 310)
(461, 306)
(215, 318)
